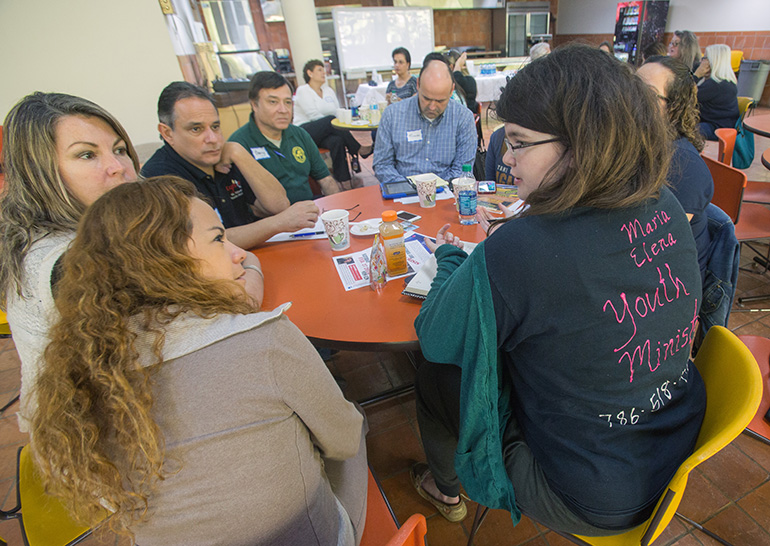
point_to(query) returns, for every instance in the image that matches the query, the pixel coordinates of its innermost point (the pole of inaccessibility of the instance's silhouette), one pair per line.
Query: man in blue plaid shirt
(427, 132)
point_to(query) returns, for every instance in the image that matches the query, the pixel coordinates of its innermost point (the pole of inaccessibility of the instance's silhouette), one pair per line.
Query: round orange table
(303, 273)
(759, 125)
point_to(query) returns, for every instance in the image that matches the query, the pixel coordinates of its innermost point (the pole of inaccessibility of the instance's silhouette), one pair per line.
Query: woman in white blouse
(315, 106)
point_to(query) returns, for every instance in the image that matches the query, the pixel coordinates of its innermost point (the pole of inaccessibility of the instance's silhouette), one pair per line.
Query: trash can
(752, 78)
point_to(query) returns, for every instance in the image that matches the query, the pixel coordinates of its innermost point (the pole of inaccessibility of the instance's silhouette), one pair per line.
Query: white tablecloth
(374, 94)
(489, 86)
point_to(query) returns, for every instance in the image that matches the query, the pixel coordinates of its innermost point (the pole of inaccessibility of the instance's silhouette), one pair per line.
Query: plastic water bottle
(374, 114)
(466, 189)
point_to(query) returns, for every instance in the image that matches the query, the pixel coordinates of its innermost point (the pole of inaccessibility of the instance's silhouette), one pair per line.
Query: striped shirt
(408, 143)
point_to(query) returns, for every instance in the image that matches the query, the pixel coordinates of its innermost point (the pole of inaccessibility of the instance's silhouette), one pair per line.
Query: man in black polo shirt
(237, 186)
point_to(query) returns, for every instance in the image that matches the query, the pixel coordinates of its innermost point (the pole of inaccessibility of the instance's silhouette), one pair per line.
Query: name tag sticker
(260, 153)
(414, 136)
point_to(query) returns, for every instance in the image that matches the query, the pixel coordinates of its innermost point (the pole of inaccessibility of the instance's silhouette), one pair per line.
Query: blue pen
(279, 154)
(307, 234)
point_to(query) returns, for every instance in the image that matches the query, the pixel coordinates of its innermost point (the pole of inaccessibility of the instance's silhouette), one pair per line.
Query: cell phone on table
(487, 186)
(407, 216)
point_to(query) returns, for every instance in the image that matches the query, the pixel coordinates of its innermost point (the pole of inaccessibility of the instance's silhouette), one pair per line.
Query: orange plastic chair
(381, 527)
(752, 220)
(733, 392)
(756, 191)
(726, 138)
(728, 188)
(759, 346)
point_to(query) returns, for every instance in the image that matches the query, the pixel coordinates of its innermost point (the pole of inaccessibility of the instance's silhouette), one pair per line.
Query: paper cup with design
(426, 189)
(345, 116)
(336, 228)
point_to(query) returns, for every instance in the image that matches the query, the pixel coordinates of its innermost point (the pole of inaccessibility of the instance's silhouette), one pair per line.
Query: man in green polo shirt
(287, 151)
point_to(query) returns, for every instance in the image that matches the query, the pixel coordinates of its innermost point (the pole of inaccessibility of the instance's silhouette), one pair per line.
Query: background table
(488, 86)
(303, 272)
(758, 124)
(365, 90)
(351, 127)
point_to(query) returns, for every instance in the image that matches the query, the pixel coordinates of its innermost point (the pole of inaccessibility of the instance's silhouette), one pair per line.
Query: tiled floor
(730, 493)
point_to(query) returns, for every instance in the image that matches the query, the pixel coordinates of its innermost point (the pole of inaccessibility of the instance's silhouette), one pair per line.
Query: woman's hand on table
(485, 217)
(443, 237)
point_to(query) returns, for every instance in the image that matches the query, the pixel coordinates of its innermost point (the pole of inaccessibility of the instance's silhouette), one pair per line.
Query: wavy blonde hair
(35, 200)
(689, 47)
(95, 440)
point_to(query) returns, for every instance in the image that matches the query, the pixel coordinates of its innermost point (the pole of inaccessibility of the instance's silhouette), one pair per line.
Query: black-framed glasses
(513, 149)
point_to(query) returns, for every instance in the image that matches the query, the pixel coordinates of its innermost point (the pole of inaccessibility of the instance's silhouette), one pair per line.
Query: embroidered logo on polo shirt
(299, 154)
(234, 189)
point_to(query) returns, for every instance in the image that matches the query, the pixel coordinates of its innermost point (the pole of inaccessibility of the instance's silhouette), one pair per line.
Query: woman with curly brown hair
(61, 153)
(168, 399)
(691, 182)
(688, 176)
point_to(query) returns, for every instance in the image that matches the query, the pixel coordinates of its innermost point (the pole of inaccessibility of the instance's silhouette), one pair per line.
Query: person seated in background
(685, 47)
(404, 85)
(465, 85)
(61, 152)
(690, 180)
(494, 166)
(164, 387)
(426, 133)
(606, 47)
(540, 49)
(315, 106)
(239, 188)
(655, 48)
(285, 150)
(717, 91)
(536, 392)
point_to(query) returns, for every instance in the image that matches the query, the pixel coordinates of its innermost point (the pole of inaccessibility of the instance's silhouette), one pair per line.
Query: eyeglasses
(674, 44)
(513, 149)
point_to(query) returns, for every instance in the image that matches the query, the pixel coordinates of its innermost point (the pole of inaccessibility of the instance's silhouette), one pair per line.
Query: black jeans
(437, 388)
(336, 140)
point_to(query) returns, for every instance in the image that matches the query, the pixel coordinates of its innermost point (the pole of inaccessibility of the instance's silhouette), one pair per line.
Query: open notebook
(418, 285)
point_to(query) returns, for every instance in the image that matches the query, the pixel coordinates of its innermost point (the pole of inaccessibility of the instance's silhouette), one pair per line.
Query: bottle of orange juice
(392, 240)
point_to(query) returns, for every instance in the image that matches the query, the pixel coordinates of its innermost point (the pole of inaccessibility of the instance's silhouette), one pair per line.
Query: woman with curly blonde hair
(167, 398)
(60, 153)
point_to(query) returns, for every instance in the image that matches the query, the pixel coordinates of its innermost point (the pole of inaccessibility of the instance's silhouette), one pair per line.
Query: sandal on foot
(355, 165)
(452, 512)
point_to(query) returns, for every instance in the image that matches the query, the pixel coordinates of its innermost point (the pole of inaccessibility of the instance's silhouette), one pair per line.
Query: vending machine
(637, 25)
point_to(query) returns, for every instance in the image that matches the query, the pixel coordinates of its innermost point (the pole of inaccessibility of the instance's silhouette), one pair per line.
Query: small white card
(260, 153)
(414, 136)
